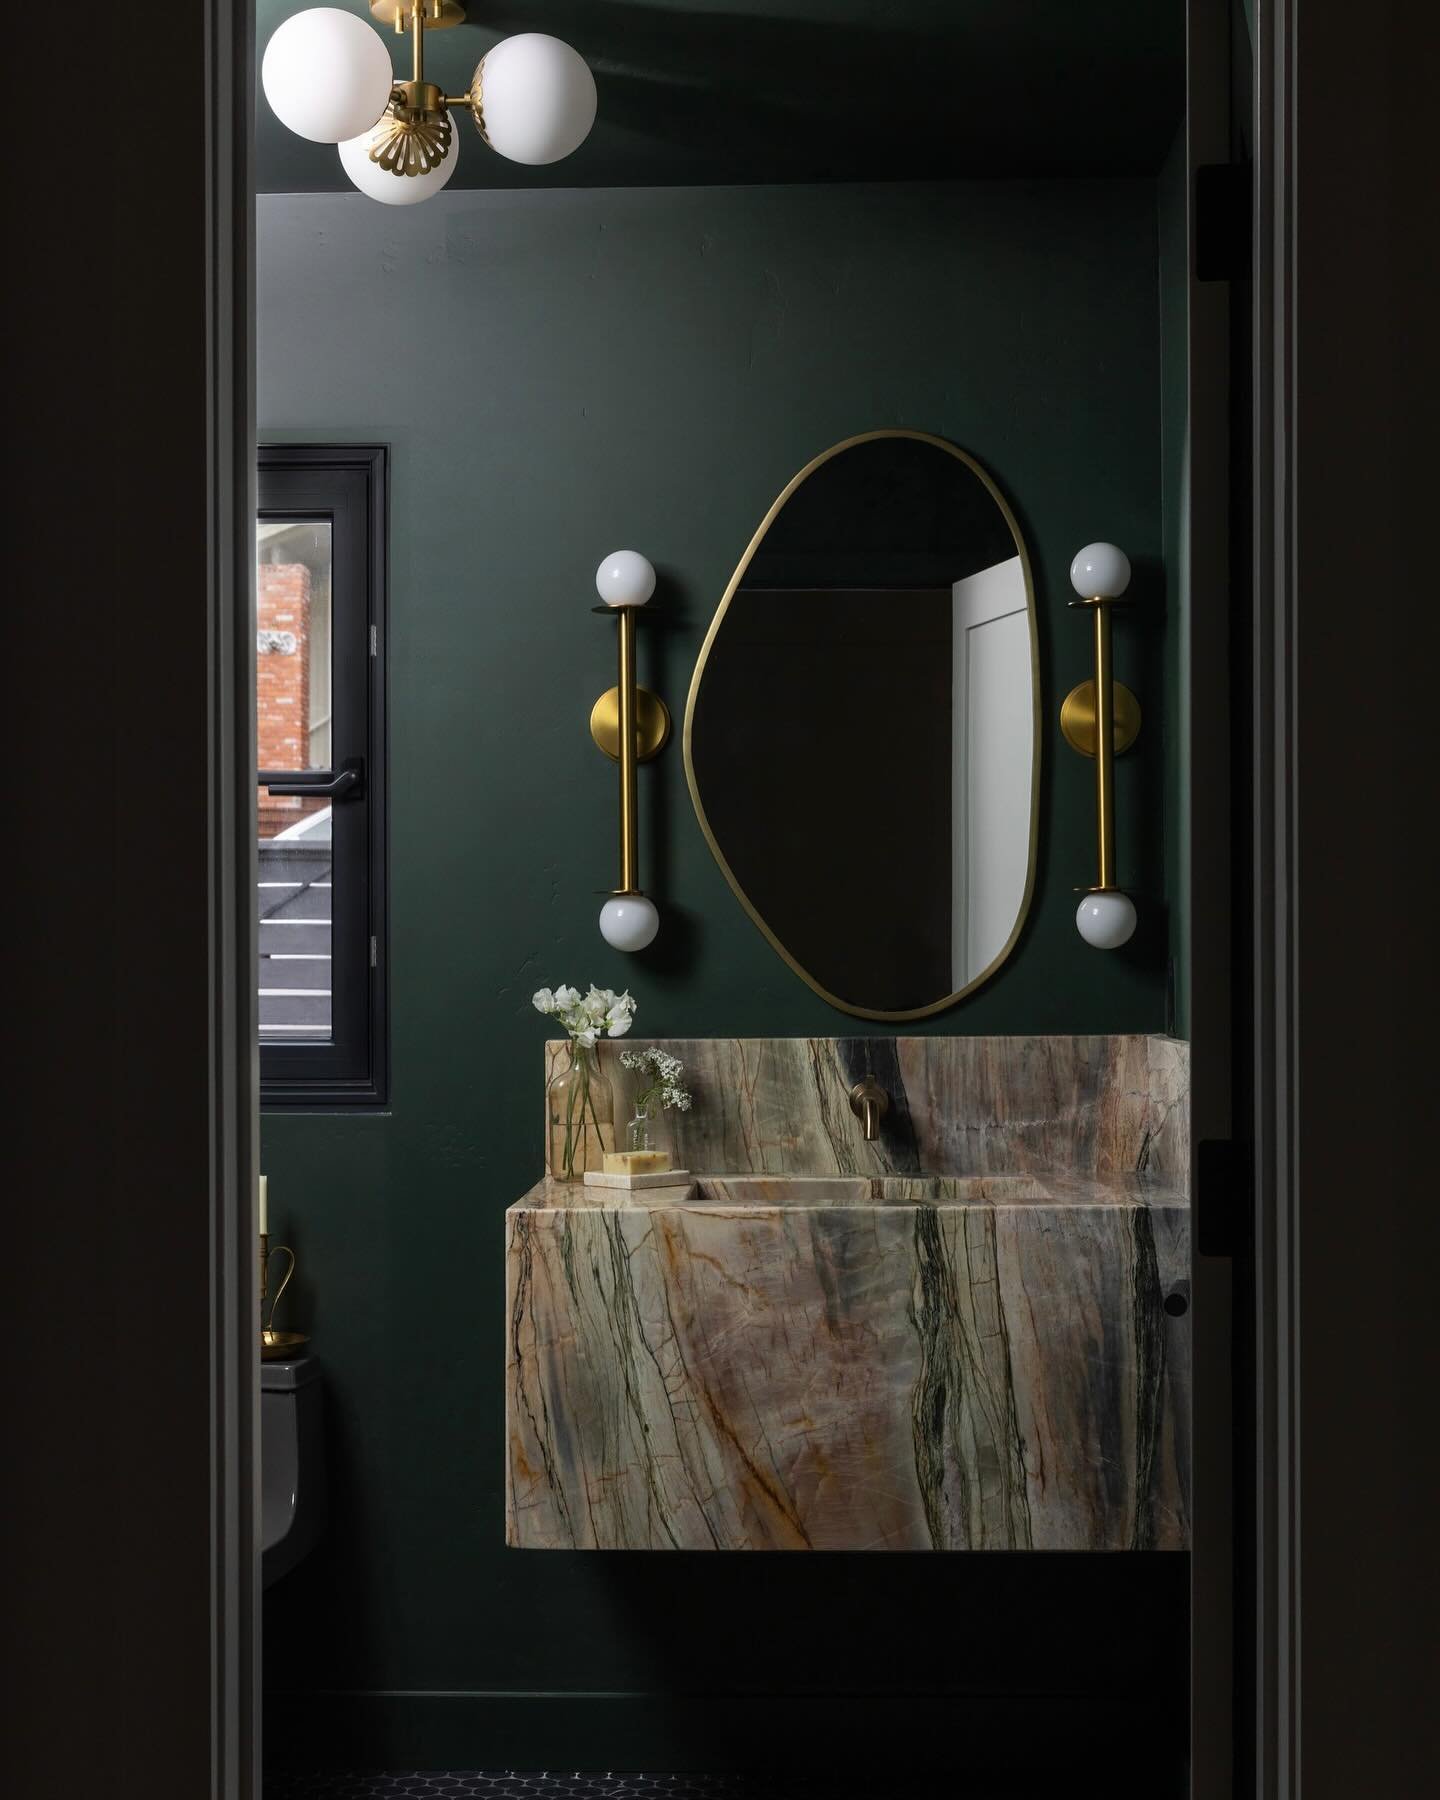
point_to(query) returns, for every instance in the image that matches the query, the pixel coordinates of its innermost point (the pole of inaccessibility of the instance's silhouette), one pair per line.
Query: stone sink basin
(755, 1362)
(876, 1190)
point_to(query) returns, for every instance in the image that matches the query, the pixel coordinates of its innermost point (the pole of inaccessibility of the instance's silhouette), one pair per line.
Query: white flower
(595, 1006)
(600, 1013)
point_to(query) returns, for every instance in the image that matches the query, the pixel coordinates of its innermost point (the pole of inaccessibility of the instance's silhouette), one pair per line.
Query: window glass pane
(292, 661)
(295, 914)
(293, 733)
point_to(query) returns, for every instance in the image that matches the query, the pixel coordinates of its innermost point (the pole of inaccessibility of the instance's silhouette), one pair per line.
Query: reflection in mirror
(862, 734)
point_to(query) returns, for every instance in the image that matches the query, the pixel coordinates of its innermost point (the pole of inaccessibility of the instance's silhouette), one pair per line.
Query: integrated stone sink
(850, 1362)
(763, 1192)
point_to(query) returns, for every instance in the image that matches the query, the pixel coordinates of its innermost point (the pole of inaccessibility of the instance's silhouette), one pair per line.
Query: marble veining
(958, 1106)
(967, 1335)
(706, 1373)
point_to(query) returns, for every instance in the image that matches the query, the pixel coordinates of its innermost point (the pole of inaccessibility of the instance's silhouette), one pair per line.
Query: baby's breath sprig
(666, 1085)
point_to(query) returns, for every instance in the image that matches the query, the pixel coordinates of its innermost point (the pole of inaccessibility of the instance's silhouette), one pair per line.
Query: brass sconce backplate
(1077, 718)
(652, 723)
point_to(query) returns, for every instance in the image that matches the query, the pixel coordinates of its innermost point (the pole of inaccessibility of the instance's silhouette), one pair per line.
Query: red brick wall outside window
(282, 685)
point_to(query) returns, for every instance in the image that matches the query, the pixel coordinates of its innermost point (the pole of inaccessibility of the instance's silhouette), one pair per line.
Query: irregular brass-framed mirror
(862, 739)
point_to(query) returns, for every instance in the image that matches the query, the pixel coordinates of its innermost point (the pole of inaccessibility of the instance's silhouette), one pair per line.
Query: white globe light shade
(1106, 921)
(629, 922)
(395, 190)
(625, 578)
(327, 75)
(1100, 572)
(537, 97)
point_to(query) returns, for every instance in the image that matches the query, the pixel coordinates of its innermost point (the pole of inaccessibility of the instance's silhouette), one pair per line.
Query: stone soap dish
(658, 1178)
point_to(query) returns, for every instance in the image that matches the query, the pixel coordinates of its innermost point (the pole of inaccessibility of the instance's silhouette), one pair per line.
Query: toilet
(292, 1463)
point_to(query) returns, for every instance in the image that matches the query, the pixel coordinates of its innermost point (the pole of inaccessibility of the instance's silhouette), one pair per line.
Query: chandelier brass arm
(413, 137)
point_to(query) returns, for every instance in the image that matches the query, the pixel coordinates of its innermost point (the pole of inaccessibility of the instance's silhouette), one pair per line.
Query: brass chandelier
(328, 77)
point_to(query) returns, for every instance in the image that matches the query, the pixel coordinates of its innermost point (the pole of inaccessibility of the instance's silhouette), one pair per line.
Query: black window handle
(345, 783)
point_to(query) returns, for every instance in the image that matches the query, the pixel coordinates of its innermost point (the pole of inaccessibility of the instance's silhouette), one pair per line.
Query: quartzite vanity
(967, 1334)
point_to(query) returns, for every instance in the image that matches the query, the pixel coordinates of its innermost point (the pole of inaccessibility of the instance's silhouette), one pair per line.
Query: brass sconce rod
(629, 755)
(1104, 745)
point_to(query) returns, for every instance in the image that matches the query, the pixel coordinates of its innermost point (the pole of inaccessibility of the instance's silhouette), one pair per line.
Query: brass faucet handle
(869, 1102)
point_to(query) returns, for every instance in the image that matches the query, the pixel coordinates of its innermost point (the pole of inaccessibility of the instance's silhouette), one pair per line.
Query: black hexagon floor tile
(510, 1784)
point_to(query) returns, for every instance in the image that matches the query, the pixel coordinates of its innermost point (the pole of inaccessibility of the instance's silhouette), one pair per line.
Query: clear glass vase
(640, 1133)
(580, 1108)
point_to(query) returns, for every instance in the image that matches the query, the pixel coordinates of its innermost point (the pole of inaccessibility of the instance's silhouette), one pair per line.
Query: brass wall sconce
(631, 725)
(1101, 718)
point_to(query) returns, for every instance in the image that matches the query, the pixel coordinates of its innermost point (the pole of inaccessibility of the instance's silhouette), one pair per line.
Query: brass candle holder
(275, 1344)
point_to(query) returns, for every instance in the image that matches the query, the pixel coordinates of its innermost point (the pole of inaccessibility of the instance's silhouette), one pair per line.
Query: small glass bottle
(640, 1133)
(580, 1109)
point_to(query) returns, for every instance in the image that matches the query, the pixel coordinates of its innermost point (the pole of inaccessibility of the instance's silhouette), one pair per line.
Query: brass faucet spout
(869, 1102)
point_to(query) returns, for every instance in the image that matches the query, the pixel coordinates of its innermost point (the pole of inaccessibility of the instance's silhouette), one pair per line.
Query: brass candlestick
(275, 1344)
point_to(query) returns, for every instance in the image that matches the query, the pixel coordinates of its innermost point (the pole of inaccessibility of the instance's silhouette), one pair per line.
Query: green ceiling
(812, 90)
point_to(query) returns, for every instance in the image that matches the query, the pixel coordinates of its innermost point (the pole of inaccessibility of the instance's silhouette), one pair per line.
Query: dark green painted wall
(1173, 224)
(560, 374)
(691, 93)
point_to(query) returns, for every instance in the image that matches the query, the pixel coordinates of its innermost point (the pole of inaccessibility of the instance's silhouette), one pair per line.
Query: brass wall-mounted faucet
(869, 1102)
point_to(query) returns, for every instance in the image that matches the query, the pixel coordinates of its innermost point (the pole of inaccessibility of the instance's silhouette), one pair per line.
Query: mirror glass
(862, 736)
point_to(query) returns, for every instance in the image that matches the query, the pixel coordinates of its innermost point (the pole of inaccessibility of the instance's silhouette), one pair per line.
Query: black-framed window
(320, 730)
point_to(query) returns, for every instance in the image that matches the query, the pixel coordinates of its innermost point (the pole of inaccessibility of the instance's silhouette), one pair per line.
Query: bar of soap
(636, 1162)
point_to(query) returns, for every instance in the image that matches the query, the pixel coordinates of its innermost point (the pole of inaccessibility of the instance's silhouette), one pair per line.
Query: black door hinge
(1222, 221)
(1223, 1201)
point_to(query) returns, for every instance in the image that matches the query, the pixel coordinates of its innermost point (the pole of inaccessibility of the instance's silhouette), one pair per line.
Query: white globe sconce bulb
(1100, 572)
(625, 578)
(629, 922)
(1106, 920)
(327, 75)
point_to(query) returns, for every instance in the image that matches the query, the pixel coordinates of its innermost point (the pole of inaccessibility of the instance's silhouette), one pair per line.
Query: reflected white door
(993, 747)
